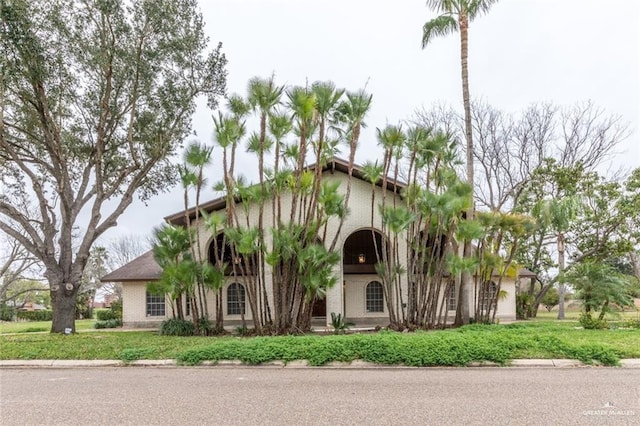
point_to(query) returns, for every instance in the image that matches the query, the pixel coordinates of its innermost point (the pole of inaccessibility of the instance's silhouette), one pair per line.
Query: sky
(521, 52)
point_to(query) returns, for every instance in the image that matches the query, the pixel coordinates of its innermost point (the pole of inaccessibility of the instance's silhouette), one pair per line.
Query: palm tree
(599, 285)
(263, 96)
(352, 113)
(557, 215)
(455, 15)
(197, 157)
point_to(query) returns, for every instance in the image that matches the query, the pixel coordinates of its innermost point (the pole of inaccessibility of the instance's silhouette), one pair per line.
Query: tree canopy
(95, 97)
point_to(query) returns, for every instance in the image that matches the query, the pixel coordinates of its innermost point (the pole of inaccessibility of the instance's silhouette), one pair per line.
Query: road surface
(277, 396)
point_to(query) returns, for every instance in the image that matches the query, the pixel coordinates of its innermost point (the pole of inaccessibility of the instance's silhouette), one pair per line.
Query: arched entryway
(361, 252)
(362, 290)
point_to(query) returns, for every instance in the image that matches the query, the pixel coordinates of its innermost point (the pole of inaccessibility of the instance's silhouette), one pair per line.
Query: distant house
(108, 299)
(28, 306)
(359, 298)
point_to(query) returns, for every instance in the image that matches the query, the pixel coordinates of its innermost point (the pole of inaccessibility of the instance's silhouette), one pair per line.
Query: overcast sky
(523, 51)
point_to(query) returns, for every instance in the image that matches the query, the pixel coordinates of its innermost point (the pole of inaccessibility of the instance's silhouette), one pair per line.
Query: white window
(235, 299)
(155, 305)
(451, 298)
(374, 297)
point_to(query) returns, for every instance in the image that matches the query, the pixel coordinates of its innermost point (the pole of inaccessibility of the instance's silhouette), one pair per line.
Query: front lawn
(475, 343)
(39, 326)
(574, 315)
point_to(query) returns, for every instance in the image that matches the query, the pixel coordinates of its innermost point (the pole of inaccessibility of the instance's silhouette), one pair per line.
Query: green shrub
(524, 306)
(176, 327)
(6, 312)
(35, 315)
(205, 326)
(591, 323)
(338, 323)
(631, 323)
(106, 315)
(116, 308)
(110, 323)
(133, 354)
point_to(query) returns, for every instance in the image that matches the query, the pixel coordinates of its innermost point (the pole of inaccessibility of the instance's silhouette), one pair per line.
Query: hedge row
(106, 315)
(35, 315)
(459, 348)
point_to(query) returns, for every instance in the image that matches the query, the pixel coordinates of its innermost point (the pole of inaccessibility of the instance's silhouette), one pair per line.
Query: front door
(319, 308)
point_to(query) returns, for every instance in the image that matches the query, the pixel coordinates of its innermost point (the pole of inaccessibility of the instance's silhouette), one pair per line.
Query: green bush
(35, 315)
(476, 343)
(110, 323)
(133, 354)
(205, 326)
(631, 323)
(591, 323)
(524, 306)
(338, 323)
(106, 315)
(116, 308)
(6, 312)
(176, 327)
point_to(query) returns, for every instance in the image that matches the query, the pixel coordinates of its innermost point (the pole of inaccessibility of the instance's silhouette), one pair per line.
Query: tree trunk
(462, 313)
(466, 280)
(604, 310)
(561, 266)
(635, 263)
(63, 302)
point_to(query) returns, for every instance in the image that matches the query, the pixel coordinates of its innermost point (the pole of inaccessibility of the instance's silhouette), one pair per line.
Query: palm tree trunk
(462, 313)
(561, 267)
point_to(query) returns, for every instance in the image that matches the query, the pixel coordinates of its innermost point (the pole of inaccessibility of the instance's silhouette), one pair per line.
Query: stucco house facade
(358, 294)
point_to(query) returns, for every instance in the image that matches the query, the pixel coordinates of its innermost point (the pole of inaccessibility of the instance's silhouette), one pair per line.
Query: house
(107, 301)
(358, 296)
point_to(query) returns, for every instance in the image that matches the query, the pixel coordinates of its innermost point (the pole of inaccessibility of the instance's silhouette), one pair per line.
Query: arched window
(451, 298)
(221, 251)
(374, 297)
(235, 299)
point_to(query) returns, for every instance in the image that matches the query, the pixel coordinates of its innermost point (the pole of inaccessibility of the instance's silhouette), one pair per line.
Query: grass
(39, 326)
(496, 343)
(574, 315)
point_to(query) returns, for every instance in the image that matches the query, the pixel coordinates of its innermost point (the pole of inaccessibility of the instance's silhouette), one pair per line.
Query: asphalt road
(265, 396)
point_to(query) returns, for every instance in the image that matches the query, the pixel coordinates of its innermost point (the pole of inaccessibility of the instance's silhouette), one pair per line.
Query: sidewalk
(357, 364)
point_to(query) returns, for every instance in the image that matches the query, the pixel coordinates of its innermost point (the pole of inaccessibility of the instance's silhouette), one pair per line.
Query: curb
(300, 364)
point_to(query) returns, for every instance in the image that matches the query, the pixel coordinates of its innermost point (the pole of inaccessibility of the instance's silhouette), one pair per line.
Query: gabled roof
(332, 166)
(525, 273)
(143, 268)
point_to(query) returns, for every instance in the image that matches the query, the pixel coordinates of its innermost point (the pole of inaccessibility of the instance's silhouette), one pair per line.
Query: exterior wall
(346, 297)
(507, 306)
(335, 295)
(359, 218)
(232, 318)
(134, 306)
(355, 300)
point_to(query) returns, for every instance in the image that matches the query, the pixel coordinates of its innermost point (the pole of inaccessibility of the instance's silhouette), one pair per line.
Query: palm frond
(443, 6)
(479, 7)
(437, 27)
